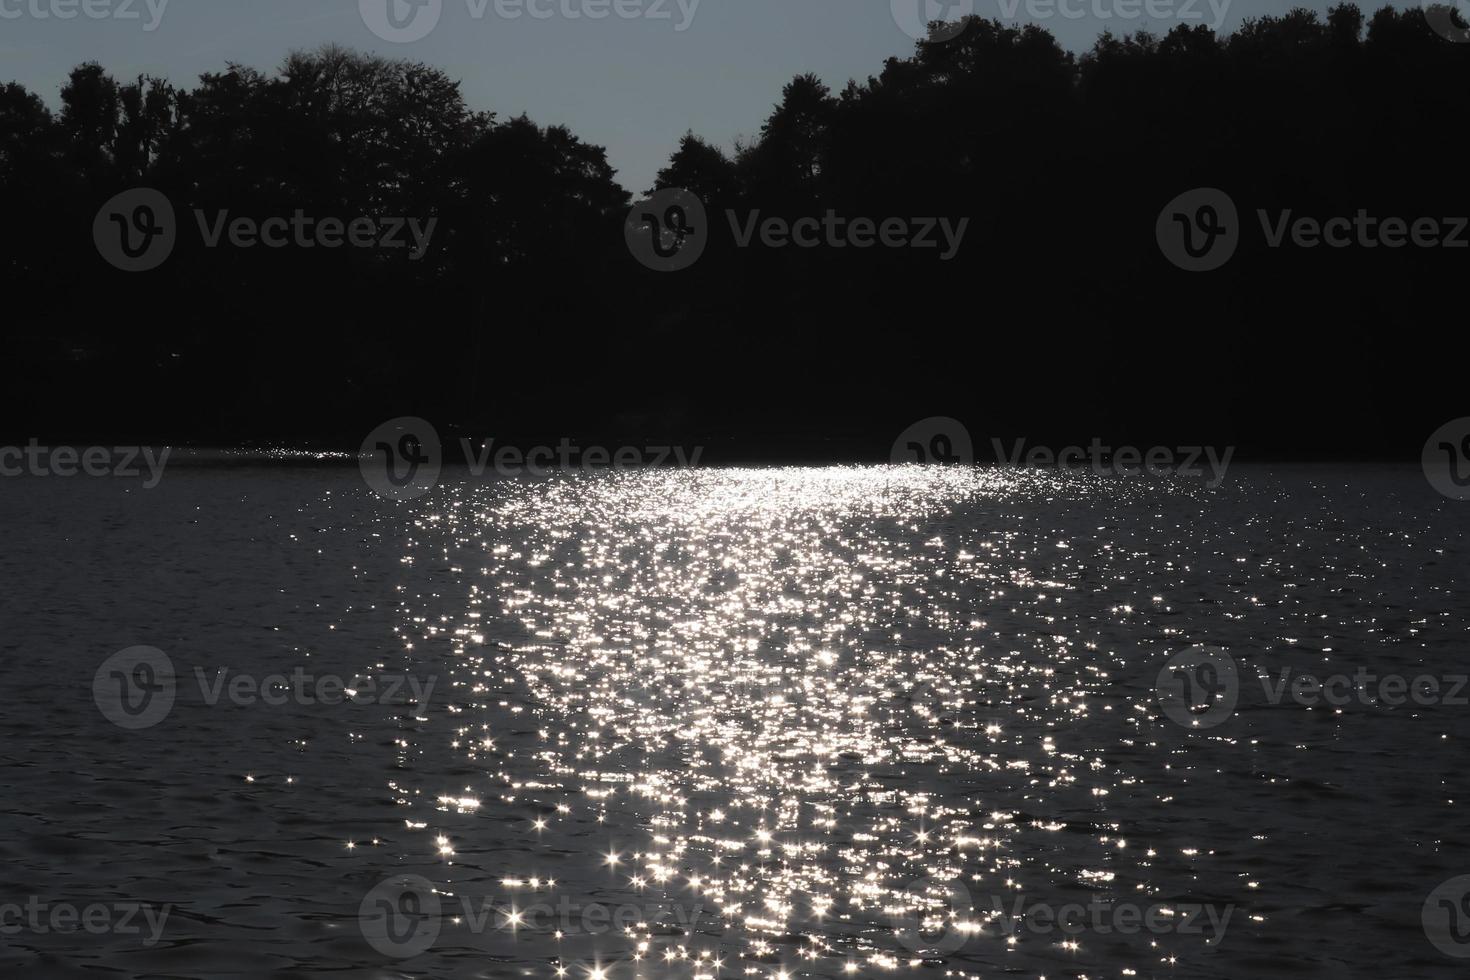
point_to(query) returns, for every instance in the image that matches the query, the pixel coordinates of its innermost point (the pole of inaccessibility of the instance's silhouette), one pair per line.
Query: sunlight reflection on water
(739, 723)
(840, 720)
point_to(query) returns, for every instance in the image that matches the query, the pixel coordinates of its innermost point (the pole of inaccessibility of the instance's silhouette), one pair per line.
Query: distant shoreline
(714, 457)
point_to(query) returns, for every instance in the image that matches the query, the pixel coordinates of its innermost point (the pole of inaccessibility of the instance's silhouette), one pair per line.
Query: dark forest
(527, 314)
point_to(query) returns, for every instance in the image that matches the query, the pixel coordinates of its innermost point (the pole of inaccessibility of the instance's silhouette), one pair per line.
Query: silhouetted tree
(702, 168)
(785, 167)
(529, 311)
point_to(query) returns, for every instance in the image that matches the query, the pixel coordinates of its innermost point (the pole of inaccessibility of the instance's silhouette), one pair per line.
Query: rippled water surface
(734, 723)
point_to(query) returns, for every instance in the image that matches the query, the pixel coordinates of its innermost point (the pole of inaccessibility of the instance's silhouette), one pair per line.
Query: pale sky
(632, 81)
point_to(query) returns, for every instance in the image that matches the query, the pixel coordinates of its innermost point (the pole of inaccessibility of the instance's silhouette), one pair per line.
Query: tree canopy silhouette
(528, 313)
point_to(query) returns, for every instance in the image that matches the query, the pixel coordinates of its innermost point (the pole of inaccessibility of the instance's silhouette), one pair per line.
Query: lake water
(730, 723)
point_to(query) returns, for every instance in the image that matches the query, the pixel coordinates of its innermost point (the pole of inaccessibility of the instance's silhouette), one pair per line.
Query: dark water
(811, 723)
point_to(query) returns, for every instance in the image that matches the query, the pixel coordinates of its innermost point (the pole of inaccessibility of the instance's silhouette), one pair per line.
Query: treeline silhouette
(528, 318)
